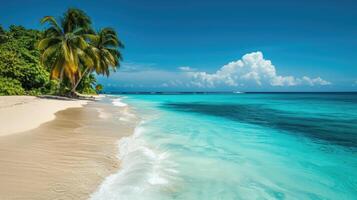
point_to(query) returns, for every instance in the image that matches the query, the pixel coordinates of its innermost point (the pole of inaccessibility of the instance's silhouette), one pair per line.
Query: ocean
(237, 146)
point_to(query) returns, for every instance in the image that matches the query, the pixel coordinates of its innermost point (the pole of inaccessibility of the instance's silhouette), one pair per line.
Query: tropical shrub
(53, 87)
(20, 60)
(98, 88)
(87, 84)
(9, 86)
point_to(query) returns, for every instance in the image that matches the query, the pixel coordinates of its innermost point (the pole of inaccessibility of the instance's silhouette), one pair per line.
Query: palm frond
(49, 53)
(51, 20)
(57, 68)
(46, 42)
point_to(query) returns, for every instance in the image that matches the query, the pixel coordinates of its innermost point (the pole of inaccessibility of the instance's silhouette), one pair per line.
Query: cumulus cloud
(251, 68)
(250, 71)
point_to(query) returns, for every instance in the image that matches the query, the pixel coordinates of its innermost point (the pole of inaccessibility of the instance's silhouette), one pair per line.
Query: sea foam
(143, 172)
(119, 103)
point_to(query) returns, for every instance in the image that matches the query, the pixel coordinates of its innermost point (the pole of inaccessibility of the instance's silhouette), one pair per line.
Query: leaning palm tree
(64, 48)
(107, 46)
(104, 51)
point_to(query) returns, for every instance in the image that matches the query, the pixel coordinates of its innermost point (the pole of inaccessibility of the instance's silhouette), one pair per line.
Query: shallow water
(238, 146)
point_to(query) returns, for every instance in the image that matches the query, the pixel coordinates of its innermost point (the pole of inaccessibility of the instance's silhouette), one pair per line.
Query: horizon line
(229, 92)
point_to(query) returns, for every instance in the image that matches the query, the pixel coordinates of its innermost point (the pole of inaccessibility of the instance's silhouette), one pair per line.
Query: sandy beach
(21, 113)
(55, 149)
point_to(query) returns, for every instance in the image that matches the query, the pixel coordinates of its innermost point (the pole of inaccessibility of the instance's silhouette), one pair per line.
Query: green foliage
(2, 31)
(34, 92)
(53, 87)
(20, 60)
(2, 34)
(89, 90)
(87, 84)
(9, 86)
(98, 88)
(75, 18)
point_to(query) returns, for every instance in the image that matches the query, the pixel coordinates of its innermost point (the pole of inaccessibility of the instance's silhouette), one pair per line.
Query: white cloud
(186, 68)
(136, 67)
(315, 81)
(250, 71)
(251, 68)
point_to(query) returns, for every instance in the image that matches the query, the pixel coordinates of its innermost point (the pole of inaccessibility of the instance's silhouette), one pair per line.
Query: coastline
(65, 158)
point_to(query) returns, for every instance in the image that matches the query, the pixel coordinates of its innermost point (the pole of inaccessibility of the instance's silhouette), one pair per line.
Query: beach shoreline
(67, 157)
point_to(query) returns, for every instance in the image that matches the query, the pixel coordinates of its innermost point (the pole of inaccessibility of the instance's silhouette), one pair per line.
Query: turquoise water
(239, 146)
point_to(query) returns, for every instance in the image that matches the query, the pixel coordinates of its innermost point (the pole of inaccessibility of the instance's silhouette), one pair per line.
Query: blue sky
(223, 45)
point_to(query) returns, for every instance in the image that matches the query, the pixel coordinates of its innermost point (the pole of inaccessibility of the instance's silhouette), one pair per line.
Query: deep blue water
(242, 146)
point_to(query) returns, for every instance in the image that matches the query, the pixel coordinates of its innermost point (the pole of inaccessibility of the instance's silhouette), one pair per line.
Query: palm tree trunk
(80, 79)
(61, 75)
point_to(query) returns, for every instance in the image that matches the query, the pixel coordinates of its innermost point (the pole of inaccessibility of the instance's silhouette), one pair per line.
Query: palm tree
(64, 48)
(107, 45)
(104, 51)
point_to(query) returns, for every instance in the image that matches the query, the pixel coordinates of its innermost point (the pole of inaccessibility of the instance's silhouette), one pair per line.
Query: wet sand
(66, 158)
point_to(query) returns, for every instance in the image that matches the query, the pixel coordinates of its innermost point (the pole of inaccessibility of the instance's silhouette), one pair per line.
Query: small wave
(102, 114)
(119, 103)
(144, 171)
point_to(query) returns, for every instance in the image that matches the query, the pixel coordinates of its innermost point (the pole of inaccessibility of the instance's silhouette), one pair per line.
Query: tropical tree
(104, 51)
(73, 50)
(106, 47)
(63, 47)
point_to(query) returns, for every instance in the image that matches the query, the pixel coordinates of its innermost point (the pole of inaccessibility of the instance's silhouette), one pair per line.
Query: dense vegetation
(60, 60)
(20, 69)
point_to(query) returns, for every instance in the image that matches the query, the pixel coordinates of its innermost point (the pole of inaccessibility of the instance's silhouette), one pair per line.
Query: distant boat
(237, 92)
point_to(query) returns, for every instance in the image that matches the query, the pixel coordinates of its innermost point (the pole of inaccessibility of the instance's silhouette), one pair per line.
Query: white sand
(22, 113)
(66, 158)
